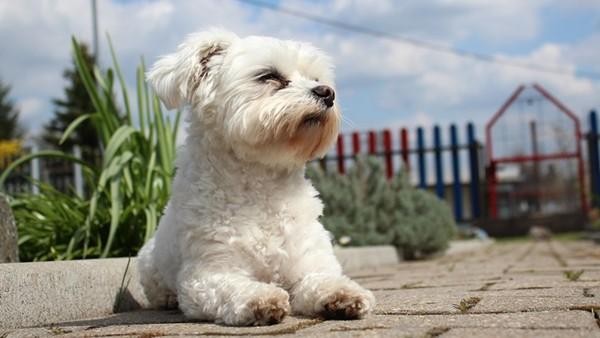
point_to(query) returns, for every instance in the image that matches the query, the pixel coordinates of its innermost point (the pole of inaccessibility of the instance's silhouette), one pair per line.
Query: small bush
(366, 208)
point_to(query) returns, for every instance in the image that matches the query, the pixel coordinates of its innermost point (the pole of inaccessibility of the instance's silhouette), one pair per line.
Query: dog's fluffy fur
(240, 242)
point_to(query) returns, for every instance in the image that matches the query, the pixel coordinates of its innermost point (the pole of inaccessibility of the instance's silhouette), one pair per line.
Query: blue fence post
(421, 158)
(474, 171)
(439, 165)
(594, 167)
(456, 185)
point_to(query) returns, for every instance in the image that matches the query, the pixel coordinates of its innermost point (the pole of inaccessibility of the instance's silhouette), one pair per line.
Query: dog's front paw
(331, 297)
(346, 303)
(265, 307)
(269, 310)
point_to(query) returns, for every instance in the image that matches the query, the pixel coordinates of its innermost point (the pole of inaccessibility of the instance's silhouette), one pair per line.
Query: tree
(76, 103)
(9, 116)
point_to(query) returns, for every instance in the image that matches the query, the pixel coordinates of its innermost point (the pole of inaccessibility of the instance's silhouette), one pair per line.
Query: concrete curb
(33, 294)
(468, 245)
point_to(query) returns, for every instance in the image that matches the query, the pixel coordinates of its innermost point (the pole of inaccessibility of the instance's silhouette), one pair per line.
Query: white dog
(240, 242)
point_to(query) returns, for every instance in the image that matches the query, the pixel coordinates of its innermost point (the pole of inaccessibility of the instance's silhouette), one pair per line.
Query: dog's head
(272, 101)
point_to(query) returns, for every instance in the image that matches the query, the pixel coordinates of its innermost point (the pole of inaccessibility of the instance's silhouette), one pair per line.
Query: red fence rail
(396, 152)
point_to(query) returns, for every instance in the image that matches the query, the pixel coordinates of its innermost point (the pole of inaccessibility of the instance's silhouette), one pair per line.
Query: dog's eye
(271, 76)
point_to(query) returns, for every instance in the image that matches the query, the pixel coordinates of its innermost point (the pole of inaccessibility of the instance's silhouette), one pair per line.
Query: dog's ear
(175, 77)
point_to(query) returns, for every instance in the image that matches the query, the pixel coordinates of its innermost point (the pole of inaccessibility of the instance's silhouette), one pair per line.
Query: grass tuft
(466, 304)
(573, 275)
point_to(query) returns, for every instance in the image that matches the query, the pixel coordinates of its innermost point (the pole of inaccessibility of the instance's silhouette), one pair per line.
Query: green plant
(424, 223)
(573, 276)
(75, 102)
(128, 189)
(359, 205)
(10, 128)
(466, 304)
(368, 209)
(49, 222)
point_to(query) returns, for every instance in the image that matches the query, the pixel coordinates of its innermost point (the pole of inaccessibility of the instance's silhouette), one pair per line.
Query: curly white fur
(240, 242)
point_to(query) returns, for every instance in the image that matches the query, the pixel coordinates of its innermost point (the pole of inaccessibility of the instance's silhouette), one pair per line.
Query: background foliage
(76, 103)
(9, 116)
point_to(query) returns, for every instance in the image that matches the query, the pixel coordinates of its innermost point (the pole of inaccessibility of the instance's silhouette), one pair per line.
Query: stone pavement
(526, 289)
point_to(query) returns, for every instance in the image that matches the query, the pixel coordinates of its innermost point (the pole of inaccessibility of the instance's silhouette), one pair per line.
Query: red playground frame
(493, 161)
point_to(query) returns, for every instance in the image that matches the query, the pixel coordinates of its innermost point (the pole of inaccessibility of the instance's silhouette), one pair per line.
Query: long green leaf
(86, 76)
(114, 168)
(73, 125)
(150, 221)
(121, 79)
(119, 137)
(141, 95)
(115, 210)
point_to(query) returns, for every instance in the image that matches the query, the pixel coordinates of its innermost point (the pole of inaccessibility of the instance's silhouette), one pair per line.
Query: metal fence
(452, 169)
(448, 162)
(63, 175)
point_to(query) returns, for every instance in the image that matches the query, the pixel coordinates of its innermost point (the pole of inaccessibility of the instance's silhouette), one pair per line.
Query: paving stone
(458, 280)
(157, 324)
(522, 289)
(148, 323)
(589, 275)
(369, 333)
(379, 285)
(550, 270)
(489, 304)
(427, 301)
(535, 263)
(591, 291)
(419, 301)
(583, 263)
(536, 282)
(519, 333)
(523, 320)
(534, 292)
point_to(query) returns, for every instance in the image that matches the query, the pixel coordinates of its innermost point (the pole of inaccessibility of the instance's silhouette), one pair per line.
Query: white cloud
(29, 109)
(379, 81)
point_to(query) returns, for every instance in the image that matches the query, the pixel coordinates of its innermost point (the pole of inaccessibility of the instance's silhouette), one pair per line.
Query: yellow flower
(9, 149)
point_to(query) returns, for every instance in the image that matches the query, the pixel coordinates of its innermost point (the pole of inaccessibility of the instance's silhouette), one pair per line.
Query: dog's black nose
(325, 93)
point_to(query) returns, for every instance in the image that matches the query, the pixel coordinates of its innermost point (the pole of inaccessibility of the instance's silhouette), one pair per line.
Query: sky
(381, 83)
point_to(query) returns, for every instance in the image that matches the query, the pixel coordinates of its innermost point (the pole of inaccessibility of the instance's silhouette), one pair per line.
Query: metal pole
(341, 160)
(35, 171)
(474, 171)
(421, 158)
(95, 31)
(594, 159)
(456, 186)
(439, 165)
(78, 172)
(537, 203)
(387, 148)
